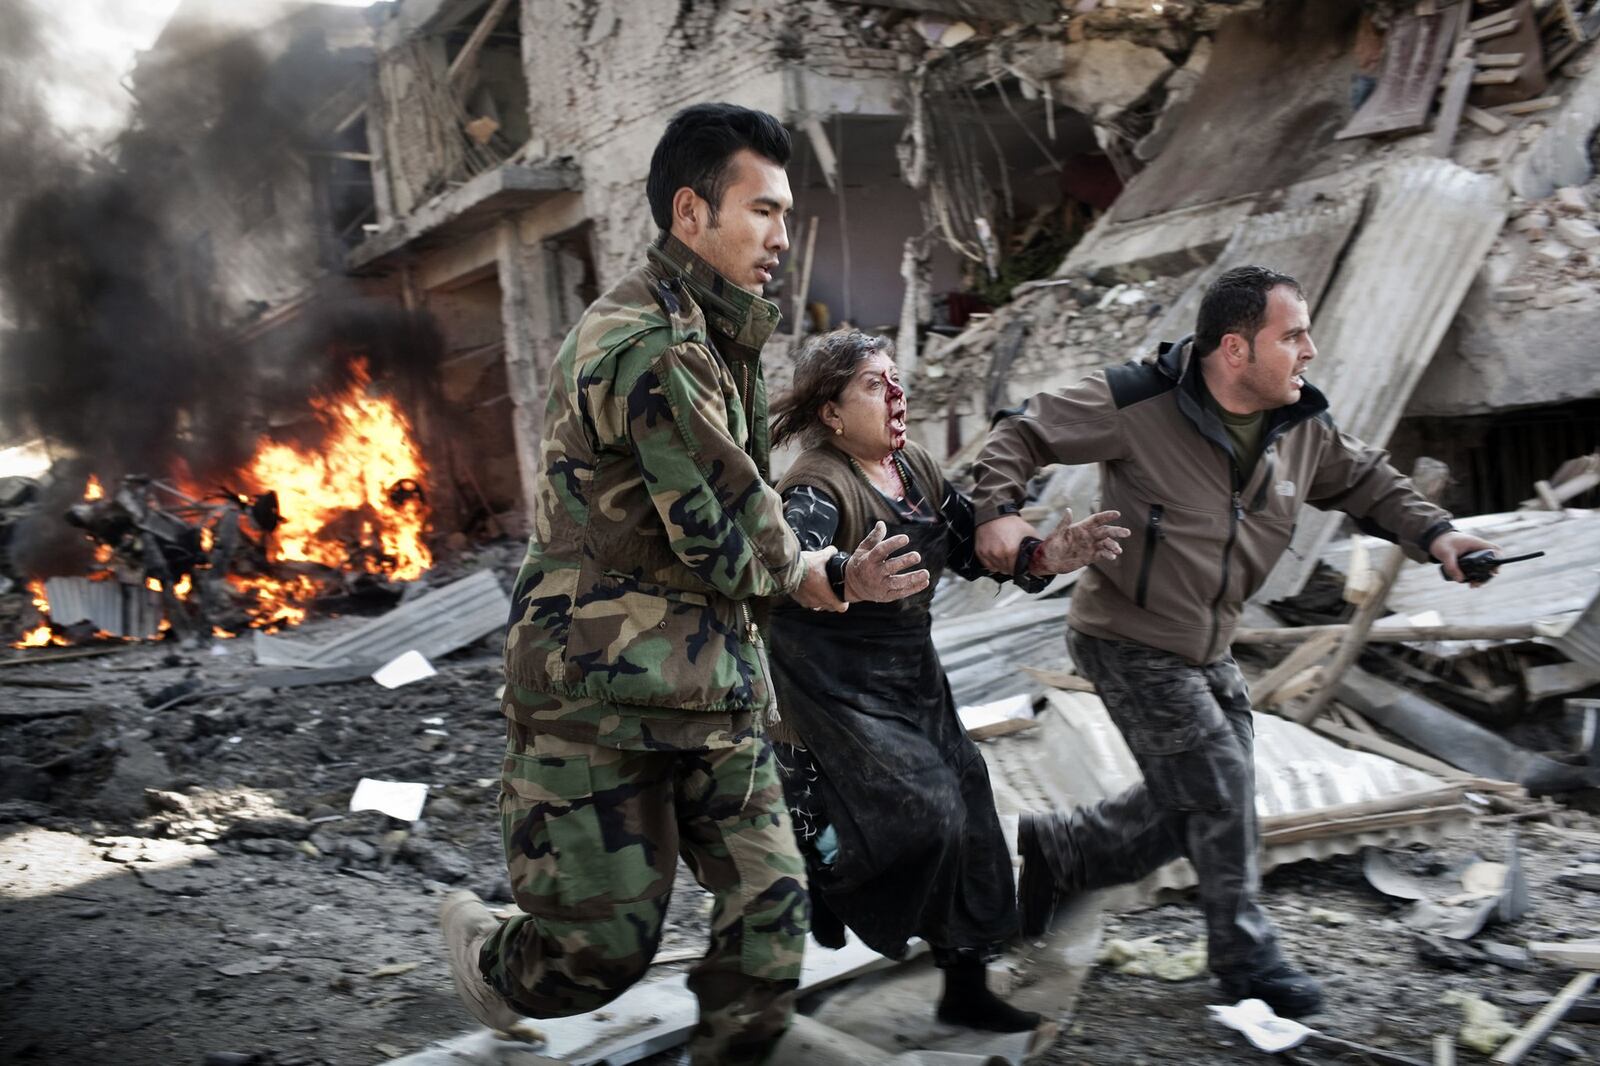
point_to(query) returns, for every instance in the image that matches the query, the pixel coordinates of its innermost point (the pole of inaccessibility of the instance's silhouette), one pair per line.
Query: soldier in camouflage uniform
(637, 678)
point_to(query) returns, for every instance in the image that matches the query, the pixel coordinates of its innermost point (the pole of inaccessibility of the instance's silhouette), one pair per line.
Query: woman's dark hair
(696, 150)
(825, 365)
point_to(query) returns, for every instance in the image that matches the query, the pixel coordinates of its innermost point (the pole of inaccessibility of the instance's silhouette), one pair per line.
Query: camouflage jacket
(654, 527)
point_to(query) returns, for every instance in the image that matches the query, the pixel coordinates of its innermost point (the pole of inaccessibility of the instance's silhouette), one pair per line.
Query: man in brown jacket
(1208, 450)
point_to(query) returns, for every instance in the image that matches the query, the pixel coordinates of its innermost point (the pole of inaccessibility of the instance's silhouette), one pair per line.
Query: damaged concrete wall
(420, 148)
(605, 76)
(1525, 333)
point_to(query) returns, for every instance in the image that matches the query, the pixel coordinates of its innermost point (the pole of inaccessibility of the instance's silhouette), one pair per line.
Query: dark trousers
(1189, 729)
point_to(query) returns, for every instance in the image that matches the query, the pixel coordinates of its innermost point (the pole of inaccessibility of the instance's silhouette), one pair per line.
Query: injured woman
(890, 797)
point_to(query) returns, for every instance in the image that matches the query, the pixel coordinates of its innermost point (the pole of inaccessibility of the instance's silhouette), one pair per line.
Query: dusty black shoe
(826, 926)
(968, 1001)
(1038, 893)
(1289, 992)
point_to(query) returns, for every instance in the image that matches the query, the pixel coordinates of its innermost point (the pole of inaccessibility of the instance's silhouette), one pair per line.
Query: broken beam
(1484, 120)
(1355, 738)
(1390, 634)
(1429, 476)
(1544, 1021)
(1528, 107)
(474, 45)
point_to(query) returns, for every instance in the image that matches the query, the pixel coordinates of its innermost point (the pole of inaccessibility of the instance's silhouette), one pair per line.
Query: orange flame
(331, 499)
(368, 450)
(340, 493)
(40, 635)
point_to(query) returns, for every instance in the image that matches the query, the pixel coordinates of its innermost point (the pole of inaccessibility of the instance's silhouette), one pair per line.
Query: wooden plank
(1484, 120)
(1499, 29)
(1529, 107)
(1390, 634)
(1002, 729)
(1414, 55)
(1500, 59)
(1359, 723)
(480, 34)
(1367, 823)
(1508, 15)
(1389, 749)
(1307, 680)
(1536, 1030)
(1429, 476)
(1462, 79)
(1495, 77)
(1580, 954)
(1444, 1050)
(1264, 690)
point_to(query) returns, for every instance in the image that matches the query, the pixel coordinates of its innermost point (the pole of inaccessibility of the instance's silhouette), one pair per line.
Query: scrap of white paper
(979, 714)
(404, 669)
(1261, 1026)
(397, 799)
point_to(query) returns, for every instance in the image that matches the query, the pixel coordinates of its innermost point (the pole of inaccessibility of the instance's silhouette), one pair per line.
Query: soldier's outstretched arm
(722, 518)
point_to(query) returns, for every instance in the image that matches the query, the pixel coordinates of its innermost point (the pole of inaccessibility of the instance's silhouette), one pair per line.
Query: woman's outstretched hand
(1070, 546)
(875, 574)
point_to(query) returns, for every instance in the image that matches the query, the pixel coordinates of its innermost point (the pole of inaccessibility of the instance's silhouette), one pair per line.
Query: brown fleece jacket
(1204, 537)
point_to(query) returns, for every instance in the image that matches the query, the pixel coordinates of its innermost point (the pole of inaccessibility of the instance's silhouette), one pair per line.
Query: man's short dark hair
(697, 148)
(1237, 303)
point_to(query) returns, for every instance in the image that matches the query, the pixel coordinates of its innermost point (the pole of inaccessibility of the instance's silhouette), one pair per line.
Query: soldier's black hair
(1237, 303)
(696, 150)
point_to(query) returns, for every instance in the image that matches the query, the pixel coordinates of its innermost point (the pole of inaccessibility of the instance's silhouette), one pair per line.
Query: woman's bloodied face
(871, 410)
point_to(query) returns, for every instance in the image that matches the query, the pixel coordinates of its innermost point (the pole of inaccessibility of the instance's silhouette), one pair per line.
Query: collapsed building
(1019, 191)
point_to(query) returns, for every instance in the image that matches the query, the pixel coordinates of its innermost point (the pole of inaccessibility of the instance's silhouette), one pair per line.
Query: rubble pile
(1053, 331)
(1550, 253)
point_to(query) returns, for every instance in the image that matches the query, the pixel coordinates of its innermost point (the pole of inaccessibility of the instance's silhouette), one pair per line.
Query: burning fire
(354, 502)
(351, 479)
(39, 636)
(369, 450)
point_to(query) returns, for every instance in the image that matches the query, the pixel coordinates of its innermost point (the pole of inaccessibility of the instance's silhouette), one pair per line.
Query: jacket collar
(1176, 361)
(735, 314)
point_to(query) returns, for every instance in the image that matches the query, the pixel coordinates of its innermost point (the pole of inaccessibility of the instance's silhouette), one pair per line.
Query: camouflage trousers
(1190, 731)
(592, 836)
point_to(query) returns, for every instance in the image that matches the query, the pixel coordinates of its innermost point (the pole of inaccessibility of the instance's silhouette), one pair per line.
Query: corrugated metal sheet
(1077, 757)
(1414, 53)
(434, 624)
(121, 610)
(1427, 231)
(1560, 591)
(1305, 244)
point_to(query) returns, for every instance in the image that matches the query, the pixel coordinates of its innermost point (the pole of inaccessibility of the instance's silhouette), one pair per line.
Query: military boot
(466, 924)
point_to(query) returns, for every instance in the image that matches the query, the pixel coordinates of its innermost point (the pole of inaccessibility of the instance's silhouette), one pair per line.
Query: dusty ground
(240, 908)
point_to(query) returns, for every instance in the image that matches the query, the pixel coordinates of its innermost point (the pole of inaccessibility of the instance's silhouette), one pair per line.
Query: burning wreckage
(337, 528)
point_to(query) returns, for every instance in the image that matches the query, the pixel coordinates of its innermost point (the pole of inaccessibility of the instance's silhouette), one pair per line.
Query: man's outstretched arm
(1076, 425)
